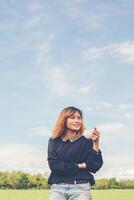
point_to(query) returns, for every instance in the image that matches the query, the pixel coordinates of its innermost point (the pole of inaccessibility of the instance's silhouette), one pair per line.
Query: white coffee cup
(87, 133)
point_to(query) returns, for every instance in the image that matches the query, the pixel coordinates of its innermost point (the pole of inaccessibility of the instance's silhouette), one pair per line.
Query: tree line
(22, 180)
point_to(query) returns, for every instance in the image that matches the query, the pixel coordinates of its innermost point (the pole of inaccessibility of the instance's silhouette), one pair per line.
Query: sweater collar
(71, 139)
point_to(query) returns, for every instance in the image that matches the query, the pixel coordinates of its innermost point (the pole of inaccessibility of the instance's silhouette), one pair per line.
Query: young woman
(72, 157)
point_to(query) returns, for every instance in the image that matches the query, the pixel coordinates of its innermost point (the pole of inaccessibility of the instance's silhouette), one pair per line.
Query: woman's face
(74, 122)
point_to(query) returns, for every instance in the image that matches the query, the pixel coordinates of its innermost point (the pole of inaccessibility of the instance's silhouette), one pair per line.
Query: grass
(44, 194)
(113, 194)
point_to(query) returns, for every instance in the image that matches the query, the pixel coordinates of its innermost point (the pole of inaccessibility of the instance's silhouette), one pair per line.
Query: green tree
(113, 183)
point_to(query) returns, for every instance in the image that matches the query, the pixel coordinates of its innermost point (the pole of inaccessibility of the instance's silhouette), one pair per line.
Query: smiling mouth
(76, 125)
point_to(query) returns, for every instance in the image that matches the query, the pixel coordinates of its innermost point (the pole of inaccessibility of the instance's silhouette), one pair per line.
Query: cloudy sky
(63, 53)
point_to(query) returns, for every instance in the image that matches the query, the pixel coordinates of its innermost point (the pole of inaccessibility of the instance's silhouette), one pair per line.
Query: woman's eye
(79, 118)
(71, 117)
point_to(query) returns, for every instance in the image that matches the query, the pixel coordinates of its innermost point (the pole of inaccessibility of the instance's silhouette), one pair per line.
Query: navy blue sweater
(63, 159)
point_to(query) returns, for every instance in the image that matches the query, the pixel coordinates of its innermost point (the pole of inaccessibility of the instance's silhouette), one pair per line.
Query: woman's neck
(70, 133)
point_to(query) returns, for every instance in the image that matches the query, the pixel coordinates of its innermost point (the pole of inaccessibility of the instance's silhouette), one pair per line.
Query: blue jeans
(63, 191)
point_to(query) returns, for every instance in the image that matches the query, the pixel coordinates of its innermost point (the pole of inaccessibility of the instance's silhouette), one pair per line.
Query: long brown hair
(60, 127)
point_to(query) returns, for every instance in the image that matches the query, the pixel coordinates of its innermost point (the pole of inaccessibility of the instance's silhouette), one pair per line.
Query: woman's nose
(76, 120)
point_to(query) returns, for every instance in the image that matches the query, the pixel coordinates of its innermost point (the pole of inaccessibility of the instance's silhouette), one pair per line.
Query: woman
(72, 157)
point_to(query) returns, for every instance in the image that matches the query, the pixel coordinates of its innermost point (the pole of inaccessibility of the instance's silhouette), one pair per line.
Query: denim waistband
(75, 182)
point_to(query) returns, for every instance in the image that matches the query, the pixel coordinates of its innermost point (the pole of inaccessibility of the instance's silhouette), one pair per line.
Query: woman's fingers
(96, 131)
(94, 138)
(95, 135)
(82, 165)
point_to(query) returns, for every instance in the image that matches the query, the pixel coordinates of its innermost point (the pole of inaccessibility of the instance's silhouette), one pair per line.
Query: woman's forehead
(75, 113)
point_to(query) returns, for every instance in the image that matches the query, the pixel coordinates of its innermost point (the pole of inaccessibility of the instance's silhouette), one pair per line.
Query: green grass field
(44, 194)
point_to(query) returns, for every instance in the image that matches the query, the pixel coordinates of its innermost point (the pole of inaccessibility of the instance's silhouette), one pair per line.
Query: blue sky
(62, 53)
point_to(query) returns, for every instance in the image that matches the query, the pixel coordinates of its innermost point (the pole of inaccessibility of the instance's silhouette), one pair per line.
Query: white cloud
(102, 105)
(79, 1)
(123, 51)
(89, 108)
(35, 20)
(84, 90)
(93, 53)
(23, 157)
(117, 166)
(129, 115)
(92, 19)
(43, 131)
(92, 22)
(111, 127)
(127, 110)
(56, 81)
(116, 172)
(126, 106)
(130, 172)
(37, 15)
(44, 50)
(72, 9)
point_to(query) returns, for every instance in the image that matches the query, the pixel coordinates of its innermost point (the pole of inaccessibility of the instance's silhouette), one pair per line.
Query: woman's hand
(95, 137)
(82, 165)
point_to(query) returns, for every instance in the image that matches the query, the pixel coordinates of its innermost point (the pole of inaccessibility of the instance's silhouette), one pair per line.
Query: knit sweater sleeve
(60, 167)
(94, 159)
